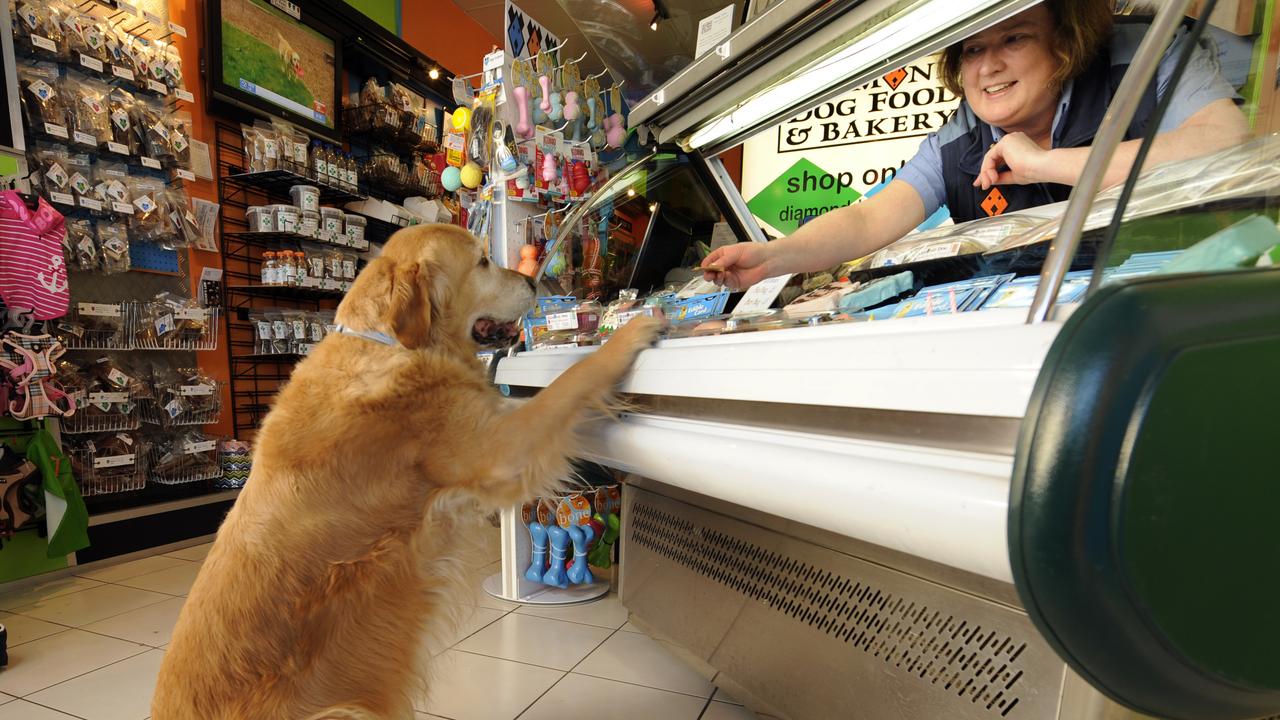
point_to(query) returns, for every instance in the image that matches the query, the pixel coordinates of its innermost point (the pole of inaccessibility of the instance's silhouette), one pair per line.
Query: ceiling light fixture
(434, 73)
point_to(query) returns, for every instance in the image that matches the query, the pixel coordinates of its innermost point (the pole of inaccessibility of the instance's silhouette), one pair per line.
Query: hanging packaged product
(150, 221)
(53, 163)
(86, 42)
(111, 187)
(80, 182)
(86, 109)
(582, 163)
(113, 245)
(151, 123)
(121, 140)
(547, 161)
(185, 230)
(179, 126)
(37, 30)
(42, 103)
(80, 245)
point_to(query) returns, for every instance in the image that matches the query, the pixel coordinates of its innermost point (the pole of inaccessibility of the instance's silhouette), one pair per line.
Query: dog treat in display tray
(108, 463)
(95, 326)
(177, 458)
(172, 322)
(182, 396)
(105, 396)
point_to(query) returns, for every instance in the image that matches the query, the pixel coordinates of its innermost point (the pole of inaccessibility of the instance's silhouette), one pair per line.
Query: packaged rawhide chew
(80, 181)
(168, 55)
(151, 125)
(112, 187)
(180, 457)
(113, 248)
(123, 141)
(186, 231)
(87, 115)
(37, 30)
(42, 102)
(150, 222)
(89, 324)
(53, 163)
(172, 320)
(179, 124)
(105, 463)
(85, 39)
(80, 245)
(137, 54)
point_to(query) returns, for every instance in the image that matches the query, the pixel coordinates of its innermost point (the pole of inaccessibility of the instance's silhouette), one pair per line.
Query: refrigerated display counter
(1055, 499)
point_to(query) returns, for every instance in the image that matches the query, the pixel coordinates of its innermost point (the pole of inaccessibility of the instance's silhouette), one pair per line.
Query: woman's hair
(1081, 27)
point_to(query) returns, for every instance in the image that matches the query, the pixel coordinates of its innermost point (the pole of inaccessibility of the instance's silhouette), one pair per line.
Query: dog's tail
(345, 712)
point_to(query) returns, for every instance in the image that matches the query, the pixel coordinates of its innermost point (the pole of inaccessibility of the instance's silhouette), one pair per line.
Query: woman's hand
(1024, 163)
(739, 266)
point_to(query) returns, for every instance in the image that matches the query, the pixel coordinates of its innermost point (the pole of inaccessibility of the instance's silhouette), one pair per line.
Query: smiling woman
(1036, 87)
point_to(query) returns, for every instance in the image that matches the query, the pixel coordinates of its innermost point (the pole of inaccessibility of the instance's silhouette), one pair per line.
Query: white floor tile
(724, 697)
(535, 640)
(23, 710)
(46, 590)
(116, 692)
(48, 661)
(727, 711)
(176, 580)
(638, 659)
(424, 716)
(607, 612)
(476, 619)
(472, 687)
(195, 552)
(609, 700)
(151, 625)
(6, 698)
(90, 605)
(484, 599)
(25, 629)
(133, 568)
(628, 627)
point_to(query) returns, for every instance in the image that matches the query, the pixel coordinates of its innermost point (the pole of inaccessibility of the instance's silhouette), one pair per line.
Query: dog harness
(373, 335)
(28, 362)
(32, 272)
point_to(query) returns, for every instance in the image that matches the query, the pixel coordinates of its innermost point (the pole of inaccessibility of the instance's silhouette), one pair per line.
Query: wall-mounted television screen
(264, 58)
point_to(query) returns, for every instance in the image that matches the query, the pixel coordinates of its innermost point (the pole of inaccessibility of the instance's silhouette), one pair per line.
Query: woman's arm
(832, 238)
(1217, 125)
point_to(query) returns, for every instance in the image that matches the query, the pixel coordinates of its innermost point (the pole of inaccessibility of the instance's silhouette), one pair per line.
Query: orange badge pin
(995, 204)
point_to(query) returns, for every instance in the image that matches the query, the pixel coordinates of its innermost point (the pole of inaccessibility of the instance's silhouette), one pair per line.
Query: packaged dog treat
(42, 102)
(105, 463)
(179, 122)
(112, 188)
(89, 324)
(87, 115)
(137, 56)
(80, 181)
(172, 60)
(150, 222)
(113, 247)
(186, 231)
(122, 140)
(151, 126)
(86, 41)
(80, 245)
(171, 320)
(53, 162)
(183, 457)
(37, 30)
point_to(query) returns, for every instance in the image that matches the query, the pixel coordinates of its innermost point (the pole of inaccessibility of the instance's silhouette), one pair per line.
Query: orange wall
(444, 32)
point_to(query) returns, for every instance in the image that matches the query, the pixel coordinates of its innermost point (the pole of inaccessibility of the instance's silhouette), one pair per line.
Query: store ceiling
(549, 14)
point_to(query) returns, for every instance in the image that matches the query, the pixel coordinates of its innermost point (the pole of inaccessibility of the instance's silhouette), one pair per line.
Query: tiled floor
(89, 647)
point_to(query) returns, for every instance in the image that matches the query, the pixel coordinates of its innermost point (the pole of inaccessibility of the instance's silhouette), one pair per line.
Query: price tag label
(93, 64)
(153, 18)
(156, 86)
(196, 390)
(85, 138)
(90, 203)
(98, 309)
(760, 297)
(56, 130)
(562, 321)
(43, 43)
(108, 397)
(310, 282)
(185, 175)
(177, 29)
(62, 198)
(184, 95)
(191, 314)
(115, 461)
(192, 448)
(330, 284)
(151, 163)
(129, 8)
(122, 72)
(122, 207)
(118, 148)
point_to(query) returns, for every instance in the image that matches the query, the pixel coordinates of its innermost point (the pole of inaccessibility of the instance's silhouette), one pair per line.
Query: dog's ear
(409, 303)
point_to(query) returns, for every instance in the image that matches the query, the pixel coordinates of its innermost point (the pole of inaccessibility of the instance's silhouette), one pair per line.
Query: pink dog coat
(32, 272)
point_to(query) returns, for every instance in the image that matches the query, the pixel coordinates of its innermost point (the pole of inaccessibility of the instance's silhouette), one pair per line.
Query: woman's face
(1007, 71)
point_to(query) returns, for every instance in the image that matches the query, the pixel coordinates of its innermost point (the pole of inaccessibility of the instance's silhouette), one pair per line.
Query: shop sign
(844, 149)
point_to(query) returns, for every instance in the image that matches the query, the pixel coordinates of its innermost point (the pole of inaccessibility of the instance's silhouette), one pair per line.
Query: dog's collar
(375, 336)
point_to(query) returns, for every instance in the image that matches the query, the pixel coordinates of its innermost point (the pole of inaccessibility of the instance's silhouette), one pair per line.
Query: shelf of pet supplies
(286, 291)
(267, 358)
(153, 414)
(378, 230)
(85, 420)
(278, 182)
(383, 124)
(153, 500)
(271, 240)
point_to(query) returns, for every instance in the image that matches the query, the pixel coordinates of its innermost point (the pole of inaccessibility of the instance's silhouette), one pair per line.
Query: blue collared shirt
(1201, 84)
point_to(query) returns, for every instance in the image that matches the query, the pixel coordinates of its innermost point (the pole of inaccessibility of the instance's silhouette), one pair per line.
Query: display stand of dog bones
(549, 546)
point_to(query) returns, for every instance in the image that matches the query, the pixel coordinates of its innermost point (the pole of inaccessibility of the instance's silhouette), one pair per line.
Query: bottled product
(288, 270)
(355, 175)
(318, 168)
(268, 268)
(349, 172)
(331, 161)
(299, 268)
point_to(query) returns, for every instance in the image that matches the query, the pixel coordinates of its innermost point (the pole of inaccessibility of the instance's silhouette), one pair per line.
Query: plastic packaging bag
(42, 101)
(37, 30)
(113, 245)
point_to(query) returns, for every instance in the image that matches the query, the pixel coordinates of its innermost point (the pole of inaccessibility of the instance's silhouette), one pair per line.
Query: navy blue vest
(1091, 94)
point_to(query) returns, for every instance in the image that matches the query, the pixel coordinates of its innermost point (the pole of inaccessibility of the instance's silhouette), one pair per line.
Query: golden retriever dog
(388, 442)
(292, 63)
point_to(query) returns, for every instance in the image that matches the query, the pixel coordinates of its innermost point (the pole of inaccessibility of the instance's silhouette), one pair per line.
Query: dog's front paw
(638, 334)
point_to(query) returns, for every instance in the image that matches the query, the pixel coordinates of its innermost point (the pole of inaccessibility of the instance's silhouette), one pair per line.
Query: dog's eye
(484, 261)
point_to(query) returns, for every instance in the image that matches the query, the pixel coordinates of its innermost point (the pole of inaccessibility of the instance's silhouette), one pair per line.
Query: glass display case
(950, 489)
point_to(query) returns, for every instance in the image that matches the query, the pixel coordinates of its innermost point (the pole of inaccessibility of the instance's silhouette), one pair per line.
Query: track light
(434, 73)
